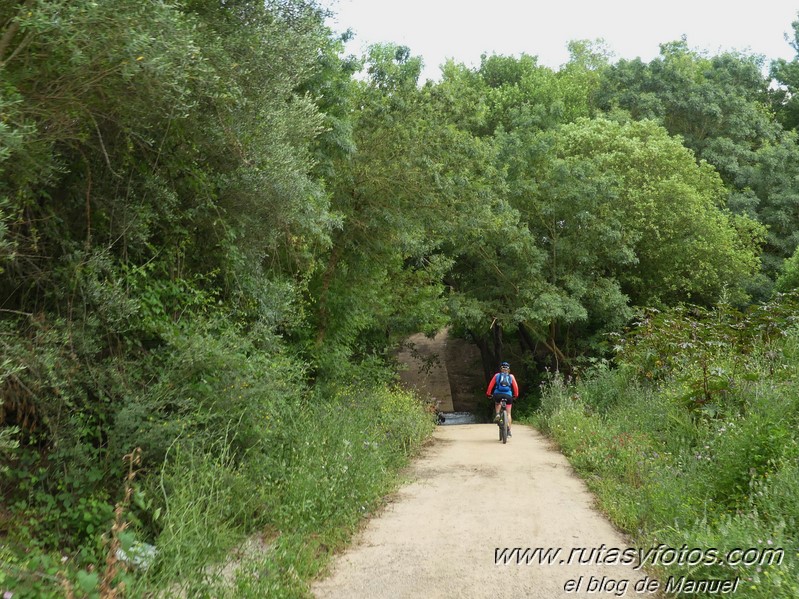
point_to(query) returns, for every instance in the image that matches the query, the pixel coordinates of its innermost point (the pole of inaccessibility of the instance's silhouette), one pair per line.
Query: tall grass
(327, 466)
(672, 465)
(237, 450)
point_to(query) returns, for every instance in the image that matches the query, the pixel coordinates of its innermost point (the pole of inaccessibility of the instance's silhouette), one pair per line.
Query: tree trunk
(548, 341)
(496, 329)
(10, 32)
(560, 359)
(485, 355)
(327, 279)
(525, 340)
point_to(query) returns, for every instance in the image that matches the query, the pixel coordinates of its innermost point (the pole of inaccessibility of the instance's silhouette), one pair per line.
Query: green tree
(722, 109)
(789, 274)
(786, 73)
(394, 194)
(521, 93)
(624, 216)
(158, 212)
(204, 168)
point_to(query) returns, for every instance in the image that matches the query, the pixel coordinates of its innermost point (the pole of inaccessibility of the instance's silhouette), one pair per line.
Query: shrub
(323, 465)
(668, 471)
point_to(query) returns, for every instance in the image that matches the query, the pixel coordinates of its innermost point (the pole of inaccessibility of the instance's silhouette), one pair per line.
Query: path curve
(437, 537)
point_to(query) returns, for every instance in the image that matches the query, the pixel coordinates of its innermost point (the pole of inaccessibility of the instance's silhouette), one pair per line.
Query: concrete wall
(445, 369)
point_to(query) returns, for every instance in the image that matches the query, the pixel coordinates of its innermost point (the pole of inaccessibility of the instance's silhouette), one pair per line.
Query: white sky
(464, 29)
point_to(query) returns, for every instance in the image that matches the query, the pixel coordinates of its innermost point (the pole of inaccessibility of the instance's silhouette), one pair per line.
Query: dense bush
(692, 438)
(325, 466)
(232, 442)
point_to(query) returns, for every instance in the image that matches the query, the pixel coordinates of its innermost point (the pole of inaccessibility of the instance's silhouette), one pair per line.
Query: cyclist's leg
(510, 409)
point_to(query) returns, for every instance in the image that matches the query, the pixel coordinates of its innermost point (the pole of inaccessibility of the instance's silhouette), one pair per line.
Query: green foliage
(706, 100)
(205, 169)
(656, 213)
(602, 213)
(403, 198)
(774, 495)
(212, 234)
(161, 154)
(672, 472)
(521, 94)
(786, 72)
(8, 443)
(721, 109)
(318, 468)
(61, 509)
(789, 276)
(615, 214)
(207, 501)
(369, 431)
(747, 450)
(772, 575)
(324, 466)
(711, 354)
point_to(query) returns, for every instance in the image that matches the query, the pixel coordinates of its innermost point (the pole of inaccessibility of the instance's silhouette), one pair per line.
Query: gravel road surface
(470, 498)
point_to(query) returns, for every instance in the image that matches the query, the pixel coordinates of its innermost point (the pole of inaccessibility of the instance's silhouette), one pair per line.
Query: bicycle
(503, 420)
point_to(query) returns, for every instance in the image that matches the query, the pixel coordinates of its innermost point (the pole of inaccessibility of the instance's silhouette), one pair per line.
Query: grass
(261, 524)
(723, 480)
(329, 467)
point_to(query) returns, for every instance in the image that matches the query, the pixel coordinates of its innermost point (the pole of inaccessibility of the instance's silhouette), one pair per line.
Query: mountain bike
(503, 420)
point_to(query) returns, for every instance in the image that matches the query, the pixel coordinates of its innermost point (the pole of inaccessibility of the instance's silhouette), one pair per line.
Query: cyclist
(503, 384)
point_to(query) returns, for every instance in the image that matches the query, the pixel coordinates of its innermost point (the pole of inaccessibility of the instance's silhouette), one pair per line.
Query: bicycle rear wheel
(503, 426)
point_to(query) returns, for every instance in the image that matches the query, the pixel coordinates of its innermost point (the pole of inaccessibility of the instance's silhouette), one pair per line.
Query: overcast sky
(463, 30)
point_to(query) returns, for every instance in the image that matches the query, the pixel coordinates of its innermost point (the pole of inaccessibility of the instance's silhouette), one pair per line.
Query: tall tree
(786, 73)
(522, 93)
(157, 178)
(623, 216)
(721, 107)
(396, 197)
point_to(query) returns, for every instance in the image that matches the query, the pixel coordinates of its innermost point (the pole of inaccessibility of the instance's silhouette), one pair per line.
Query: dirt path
(437, 538)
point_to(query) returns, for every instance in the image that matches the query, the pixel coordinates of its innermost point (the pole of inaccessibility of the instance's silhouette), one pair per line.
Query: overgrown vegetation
(161, 220)
(318, 467)
(213, 235)
(690, 440)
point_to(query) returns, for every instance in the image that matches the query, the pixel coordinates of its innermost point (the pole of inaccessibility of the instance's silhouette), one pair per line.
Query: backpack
(504, 380)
